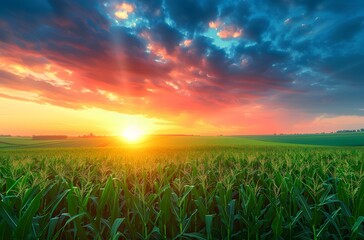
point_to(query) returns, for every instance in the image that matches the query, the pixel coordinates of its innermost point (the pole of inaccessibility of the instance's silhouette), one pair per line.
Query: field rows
(262, 192)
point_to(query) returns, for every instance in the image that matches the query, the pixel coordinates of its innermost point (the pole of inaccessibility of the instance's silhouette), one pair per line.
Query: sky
(193, 66)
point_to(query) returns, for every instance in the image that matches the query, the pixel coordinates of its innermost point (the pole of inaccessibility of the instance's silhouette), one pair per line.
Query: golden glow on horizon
(133, 134)
(26, 118)
(29, 118)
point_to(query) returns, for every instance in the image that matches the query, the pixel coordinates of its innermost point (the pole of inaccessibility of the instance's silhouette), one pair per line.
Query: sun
(132, 134)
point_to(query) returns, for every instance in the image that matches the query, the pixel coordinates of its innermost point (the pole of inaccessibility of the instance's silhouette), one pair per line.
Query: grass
(203, 188)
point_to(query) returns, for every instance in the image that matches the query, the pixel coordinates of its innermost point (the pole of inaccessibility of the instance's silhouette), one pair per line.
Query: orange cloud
(187, 42)
(230, 32)
(121, 15)
(215, 24)
(123, 10)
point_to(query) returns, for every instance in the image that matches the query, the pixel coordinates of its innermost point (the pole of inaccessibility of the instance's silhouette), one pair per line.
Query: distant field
(152, 141)
(343, 139)
(27, 142)
(335, 139)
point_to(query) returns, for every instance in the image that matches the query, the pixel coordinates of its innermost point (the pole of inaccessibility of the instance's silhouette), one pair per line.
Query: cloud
(230, 32)
(186, 57)
(345, 69)
(123, 10)
(331, 123)
(192, 15)
(167, 36)
(347, 30)
(256, 27)
(215, 24)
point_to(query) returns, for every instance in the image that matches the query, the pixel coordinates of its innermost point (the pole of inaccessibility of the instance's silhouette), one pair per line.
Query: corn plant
(202, 192)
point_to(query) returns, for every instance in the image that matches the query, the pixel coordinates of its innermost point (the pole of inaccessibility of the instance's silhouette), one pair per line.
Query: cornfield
(252, 192)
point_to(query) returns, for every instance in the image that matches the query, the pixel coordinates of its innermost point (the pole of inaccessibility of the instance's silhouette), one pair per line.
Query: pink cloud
(230, 32)
(326, 123)
(187, 42)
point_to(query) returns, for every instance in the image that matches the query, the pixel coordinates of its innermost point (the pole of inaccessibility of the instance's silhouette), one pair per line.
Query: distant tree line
(350, 131)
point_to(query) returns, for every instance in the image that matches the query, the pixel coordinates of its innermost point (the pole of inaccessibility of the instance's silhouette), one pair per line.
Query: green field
(182, 188)
(148, 142)
(342, 139)
(333, 139)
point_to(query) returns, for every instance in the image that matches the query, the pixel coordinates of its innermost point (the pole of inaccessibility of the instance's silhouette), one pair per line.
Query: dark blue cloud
(347, 70)
(150, 7)
(192, 15)
(237, 12)
(256, 28)
(346, 30)
(167, 36)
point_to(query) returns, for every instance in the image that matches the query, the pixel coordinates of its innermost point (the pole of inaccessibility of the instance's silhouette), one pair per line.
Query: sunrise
(171, 119)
